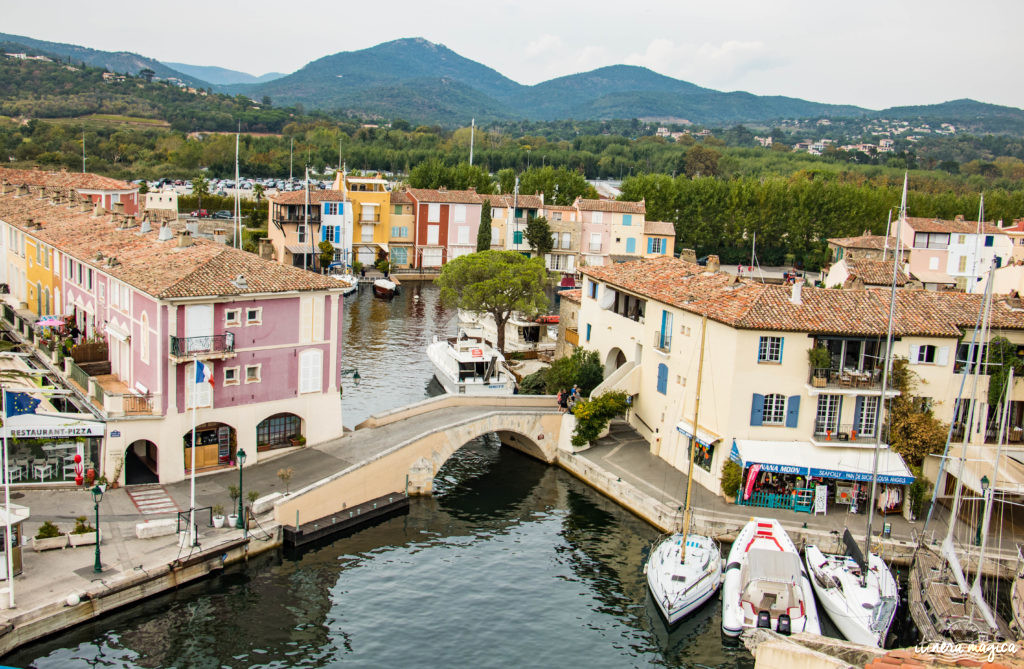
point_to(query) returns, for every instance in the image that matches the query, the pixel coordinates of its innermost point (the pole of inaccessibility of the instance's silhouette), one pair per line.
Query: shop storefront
(51, 449)
(800, 476)
(215, 446)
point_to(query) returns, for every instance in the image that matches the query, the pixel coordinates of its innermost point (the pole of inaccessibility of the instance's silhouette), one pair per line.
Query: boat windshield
(469, 371)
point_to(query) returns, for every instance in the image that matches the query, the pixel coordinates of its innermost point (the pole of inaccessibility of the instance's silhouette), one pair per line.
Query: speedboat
(384, 288)
(469, 365)
(859, 597)
(681, 581)
(765, 583)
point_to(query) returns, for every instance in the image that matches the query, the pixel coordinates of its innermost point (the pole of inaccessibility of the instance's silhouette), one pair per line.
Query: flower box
(85, 539)
(50, 543)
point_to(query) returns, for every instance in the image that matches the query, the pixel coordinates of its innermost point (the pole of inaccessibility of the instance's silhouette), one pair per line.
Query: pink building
(446, 223)
(152, 305)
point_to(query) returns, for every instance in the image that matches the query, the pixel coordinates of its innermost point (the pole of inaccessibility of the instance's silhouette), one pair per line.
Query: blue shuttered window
(588, 331)
(793, 411)
(757, 410)
(399, 255)
(663, 378)
(517, 237)
(858, 408)
(627, 219)
(631, 245)
(650, 244)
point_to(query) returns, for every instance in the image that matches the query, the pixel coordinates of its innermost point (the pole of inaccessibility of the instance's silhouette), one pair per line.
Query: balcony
(369, 219)
(184, 349)
(110, 394)
(831, 378)
(844, 433)
(663, 341)
(572, 336)
(594, 248)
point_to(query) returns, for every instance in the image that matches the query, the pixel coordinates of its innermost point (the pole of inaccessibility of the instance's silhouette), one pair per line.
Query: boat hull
(383, 291)
(503, 384)
(834, 580)
(680, 588)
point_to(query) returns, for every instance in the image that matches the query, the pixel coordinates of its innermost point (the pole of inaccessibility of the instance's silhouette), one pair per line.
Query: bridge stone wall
(542, 402)
(411, 465)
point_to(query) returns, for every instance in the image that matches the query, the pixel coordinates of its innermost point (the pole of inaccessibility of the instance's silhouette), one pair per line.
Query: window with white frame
(595, 242)
(826, 418)
(300, 234)
(433, 213)
(657, 245)
(926, 353)
(566, 240)
(463, 234)
(459, 213)
(252, 373)
(769, 349)
(231, 376)
(598, 217)
(554, 240)
(232, 317)
(868, 415)
(311, 319)
(253, 315)
(556, 216)
(310, 370)
(774, 409)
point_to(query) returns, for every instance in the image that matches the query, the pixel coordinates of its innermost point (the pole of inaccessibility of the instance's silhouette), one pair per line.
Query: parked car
(200, 213)
(223, 213)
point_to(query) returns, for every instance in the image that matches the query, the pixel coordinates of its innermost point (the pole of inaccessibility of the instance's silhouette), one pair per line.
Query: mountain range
(421, 81)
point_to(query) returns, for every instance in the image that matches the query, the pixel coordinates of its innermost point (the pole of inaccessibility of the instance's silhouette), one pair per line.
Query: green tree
(701, 162)
(582, 368)
(258, 190)
(483, 235)
(200, 187)
(495, 282)
(1001, 356)
(538, 234)
(592, 415)
(326, 254)
(913, 431)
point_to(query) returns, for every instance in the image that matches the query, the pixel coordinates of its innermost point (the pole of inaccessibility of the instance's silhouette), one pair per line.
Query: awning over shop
(704, 436)
(299, 249)
(39, 426)
(802, 458)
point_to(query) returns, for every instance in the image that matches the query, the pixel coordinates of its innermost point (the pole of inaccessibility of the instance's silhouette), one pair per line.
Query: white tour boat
(765, 583)
(684, 570)
(859, 597)
(469, 365)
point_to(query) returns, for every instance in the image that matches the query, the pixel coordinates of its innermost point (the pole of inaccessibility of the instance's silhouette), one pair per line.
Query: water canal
(511, 563)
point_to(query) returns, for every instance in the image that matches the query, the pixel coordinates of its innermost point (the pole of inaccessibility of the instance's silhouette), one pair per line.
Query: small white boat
(766, 584)
(469, 365)
(384, 288)
(677, 586)
(350, 282)
(860, 598)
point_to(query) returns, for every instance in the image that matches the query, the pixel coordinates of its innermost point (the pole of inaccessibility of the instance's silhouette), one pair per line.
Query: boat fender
(732, 565)
(764, 619)
(784, 625)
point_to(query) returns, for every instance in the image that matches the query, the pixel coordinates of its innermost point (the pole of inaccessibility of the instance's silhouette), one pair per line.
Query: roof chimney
(959, 218)
(219, 236)
(5, 187)
(118, 207)
(713, 264)
(796, 293)
(166, 234)
(185, 239)
(146, 226)
(240, 283)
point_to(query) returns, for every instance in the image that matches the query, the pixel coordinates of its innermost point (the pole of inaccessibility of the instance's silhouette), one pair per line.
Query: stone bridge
(402, 449)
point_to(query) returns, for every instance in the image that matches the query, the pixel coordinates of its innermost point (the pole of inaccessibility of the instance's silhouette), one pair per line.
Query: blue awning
(704, 435)
(801, 458)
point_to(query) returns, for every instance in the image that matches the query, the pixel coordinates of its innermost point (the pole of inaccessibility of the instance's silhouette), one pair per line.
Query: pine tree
(483, 235)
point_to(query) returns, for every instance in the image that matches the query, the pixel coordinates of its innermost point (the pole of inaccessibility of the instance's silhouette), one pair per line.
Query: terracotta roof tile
(400, 197)
(959, 227)
(161, 269)
(612, 206)
(445, 196)
(77, 180)
(756, 306)
(875, 242)
(659, 228)
(315, 196)
(524, 201)
(574, 295)
(875, 272)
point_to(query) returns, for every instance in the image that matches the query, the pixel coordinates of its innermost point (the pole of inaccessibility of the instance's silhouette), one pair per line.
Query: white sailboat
(684, 570)
(859, 595)
(942, 604)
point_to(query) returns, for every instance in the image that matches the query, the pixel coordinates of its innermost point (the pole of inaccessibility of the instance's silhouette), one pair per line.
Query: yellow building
(42, 285)
(371, 211)
(402, 238)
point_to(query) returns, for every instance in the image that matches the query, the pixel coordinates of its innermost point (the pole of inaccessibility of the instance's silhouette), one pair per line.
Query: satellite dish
(607, 299)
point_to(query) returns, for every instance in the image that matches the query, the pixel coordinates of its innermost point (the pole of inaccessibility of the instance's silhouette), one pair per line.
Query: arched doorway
(278, 431)
(216, 444)
(141, 463)
(616, 358)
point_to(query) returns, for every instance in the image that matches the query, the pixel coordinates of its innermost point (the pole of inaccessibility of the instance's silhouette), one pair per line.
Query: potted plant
(218, 516)
(253, 495)
(731, 480)
(285, 474)
(234, 493)
(84, 534)
(49, 537)
(820, 360)
(298, 440)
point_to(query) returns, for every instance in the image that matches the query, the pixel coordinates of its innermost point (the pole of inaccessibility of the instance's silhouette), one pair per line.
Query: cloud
(710, 64)
(548, 56)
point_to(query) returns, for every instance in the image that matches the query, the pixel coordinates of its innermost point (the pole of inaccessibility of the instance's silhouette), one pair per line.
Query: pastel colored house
(371, 215)
(511, 214)
(610, 228)
(295, 236)
(157, 303)
(112, 195)
(954, 251)
(565, 239)
(446, 223)
(402, 240)
(659, 238)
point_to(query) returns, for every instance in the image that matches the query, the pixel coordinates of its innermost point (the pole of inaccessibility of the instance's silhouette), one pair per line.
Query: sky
(870, 53)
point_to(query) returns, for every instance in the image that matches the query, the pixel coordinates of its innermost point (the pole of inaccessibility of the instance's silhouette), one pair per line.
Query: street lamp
(240, 523)
(981, 509)
(97, 497)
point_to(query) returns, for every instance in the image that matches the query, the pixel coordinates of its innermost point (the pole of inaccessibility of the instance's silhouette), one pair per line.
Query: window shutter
(942, 356)
(650, 244)
(915, 351)
(663, 378)
(793, 411)
(782, 344)
(631, 245)
(309, 371)
(326, 212)
(323, 232)
(627, 219)
(858, 407)
(757, 410)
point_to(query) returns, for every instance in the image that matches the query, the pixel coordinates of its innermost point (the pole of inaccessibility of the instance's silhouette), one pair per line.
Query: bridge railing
(539, 402)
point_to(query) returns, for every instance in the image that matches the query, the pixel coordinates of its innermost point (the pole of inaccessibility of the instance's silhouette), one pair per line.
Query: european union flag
(16, 404)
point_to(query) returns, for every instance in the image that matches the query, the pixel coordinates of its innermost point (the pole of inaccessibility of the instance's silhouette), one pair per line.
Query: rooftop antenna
(472, 134)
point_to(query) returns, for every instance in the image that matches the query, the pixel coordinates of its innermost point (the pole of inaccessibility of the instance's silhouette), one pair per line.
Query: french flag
(204, 374)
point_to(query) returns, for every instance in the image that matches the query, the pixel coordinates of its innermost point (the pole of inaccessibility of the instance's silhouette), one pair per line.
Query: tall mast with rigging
(688, 510)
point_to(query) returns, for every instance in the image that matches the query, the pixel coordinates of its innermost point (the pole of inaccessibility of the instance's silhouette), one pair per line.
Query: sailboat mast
(888, 226)
(305, 225)
(753, 251)
(991, 492)
(885, 380)
(688, 510)
(472, 136)
(238, 189)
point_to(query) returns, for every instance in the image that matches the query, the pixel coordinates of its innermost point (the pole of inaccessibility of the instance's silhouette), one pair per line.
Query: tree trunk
(499, 322)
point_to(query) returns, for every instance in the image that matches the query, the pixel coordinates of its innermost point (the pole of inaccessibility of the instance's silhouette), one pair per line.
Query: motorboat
(470, 365)
(384, 288)
(685, 569)
(766, 584)
(349, 281)
(860, 597)
(681, 582)
(529, 336)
